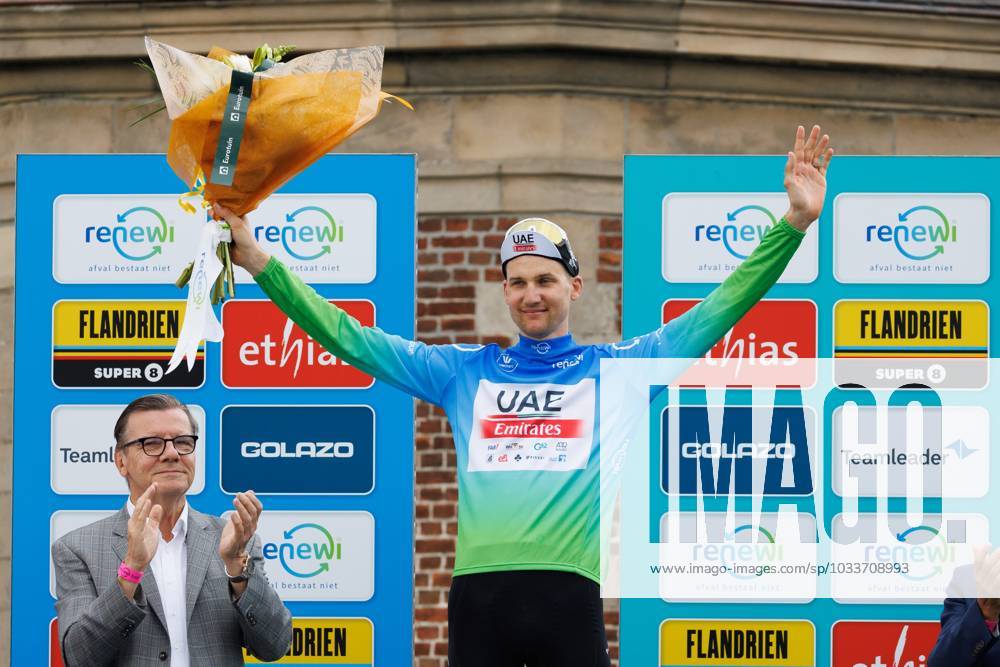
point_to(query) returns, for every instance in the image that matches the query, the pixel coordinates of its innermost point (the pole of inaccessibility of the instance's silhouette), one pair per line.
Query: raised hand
(143, 531)
(239, 529)
(805, 177)
(244, 250)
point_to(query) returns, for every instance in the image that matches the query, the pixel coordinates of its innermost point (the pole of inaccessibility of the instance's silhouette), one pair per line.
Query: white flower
(240, 63)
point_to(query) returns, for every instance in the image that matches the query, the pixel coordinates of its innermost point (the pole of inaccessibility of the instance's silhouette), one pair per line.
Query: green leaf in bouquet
(281, 51)
(262, 52)
(146, 67)
(151, 113)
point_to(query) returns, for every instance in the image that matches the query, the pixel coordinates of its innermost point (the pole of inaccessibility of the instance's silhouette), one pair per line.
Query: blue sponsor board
(892, 228)
(109, 229)
(311, 449)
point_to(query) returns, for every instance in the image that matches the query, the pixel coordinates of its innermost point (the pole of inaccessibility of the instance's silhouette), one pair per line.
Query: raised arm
(418, 369)
(696, 331)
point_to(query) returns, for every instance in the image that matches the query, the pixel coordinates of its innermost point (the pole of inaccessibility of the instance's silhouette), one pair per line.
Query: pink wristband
(129, 575)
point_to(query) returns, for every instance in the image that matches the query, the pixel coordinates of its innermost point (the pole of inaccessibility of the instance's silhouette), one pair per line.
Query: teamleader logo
(308, 234)
(920, 233)
(138, 233)
(744, 229)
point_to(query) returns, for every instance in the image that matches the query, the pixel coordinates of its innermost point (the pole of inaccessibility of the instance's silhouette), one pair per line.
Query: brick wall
(454, 255)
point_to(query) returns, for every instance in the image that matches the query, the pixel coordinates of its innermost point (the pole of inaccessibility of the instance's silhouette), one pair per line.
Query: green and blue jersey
(525, 418)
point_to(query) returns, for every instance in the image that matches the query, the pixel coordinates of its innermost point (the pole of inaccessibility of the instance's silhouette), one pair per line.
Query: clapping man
(160, 583)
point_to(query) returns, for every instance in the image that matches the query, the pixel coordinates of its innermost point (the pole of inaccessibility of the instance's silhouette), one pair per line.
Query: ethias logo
(137, 235)
(308, 234)
(741, 233)
(308, 550)
(921, 233)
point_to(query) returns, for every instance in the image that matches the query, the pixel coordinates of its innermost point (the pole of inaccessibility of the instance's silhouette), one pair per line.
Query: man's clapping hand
(143, 531)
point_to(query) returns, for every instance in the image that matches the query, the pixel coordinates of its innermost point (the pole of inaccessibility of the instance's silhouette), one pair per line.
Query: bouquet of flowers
(242, 127)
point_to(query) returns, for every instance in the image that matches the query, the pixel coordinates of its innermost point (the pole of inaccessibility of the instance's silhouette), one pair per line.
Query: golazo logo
(298, 450)
(138, 234)
(530, 413)
(754, 450)
(745, 228)
(307, 550)
(915, 239)
(266, 349)
(305, 239)
(727, 461)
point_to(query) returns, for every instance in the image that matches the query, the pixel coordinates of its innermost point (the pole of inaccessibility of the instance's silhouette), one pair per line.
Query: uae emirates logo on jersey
(532, 427)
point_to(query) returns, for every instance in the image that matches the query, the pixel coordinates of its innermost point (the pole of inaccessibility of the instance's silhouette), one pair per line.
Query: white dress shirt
(169, 566)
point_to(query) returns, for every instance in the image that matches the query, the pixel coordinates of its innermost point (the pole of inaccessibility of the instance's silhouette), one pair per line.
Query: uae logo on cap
(524, 242)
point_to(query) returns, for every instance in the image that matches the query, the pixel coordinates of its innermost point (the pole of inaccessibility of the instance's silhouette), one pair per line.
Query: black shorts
(537, 618)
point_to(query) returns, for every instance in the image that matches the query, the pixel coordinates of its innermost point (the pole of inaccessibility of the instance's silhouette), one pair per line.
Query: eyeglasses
(154, 446)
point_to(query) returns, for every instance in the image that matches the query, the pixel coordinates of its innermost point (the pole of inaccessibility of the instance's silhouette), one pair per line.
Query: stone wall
(523, 108)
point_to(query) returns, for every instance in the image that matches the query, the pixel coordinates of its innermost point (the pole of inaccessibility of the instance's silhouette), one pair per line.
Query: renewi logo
(307, 235)
(927, 557)
(744, 229)
(921, 233)
(743, 560)
(306, 551)
(138, 234)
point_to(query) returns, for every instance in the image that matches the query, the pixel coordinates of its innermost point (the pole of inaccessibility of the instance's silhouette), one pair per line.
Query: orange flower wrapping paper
(299, 111)
(291, 122)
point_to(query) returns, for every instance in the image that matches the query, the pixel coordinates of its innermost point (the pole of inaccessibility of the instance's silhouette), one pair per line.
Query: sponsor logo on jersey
(264, 348)
(786, 643)
(529, 413)
(506, 362)
(883, 643)
(119, 344)
(532, 418)
(568, 363)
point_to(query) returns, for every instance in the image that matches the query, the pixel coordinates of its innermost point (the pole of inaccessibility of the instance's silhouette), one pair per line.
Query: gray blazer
(98, 625)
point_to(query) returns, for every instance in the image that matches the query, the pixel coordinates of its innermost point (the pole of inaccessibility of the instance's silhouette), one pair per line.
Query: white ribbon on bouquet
(200, 321)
